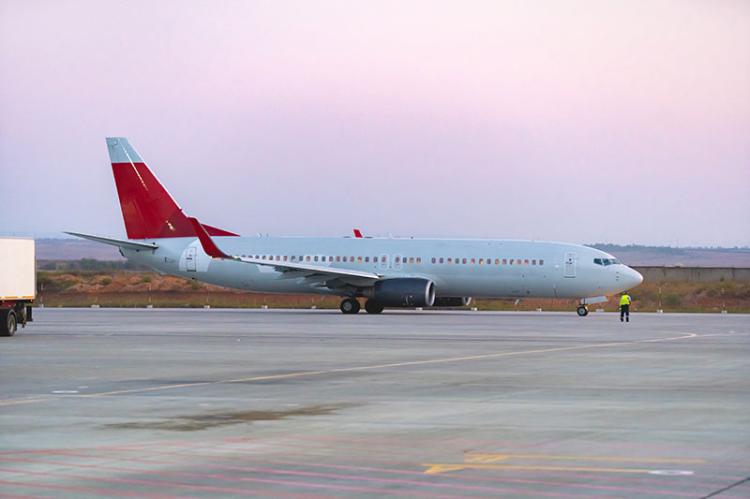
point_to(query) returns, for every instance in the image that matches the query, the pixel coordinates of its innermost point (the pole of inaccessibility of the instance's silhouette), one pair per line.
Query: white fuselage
(458, 267)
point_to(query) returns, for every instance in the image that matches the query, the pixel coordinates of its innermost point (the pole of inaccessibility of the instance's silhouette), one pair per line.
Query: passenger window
(434, 259)
(505, 261)
(526, 262)
(464, 261)
(315, 258)
(351, 259)
(441, 259)
(450, 260)
(419, 259)
(307, 258)
(411, 259)
(497, 261)
(481, 261)
(367, 259)
(533, 262)
(359, 259)
(541, 262)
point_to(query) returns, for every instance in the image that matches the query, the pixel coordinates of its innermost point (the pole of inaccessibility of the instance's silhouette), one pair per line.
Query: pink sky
(583, 121)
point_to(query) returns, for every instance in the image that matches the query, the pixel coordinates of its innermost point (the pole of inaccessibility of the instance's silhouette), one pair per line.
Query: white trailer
(17, 283)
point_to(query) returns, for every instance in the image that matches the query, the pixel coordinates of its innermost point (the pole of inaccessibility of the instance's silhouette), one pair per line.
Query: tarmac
(274, 403)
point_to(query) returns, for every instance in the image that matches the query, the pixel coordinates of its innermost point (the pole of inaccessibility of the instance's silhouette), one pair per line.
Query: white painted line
(671, 472)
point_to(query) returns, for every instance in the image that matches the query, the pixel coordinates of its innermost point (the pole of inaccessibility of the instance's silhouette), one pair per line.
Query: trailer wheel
(8, 323)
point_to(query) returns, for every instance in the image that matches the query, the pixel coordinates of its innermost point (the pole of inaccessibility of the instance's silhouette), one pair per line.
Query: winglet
(357, 233)
(206, 242)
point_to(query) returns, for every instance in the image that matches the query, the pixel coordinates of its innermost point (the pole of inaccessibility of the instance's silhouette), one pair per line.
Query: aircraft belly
(498, 286)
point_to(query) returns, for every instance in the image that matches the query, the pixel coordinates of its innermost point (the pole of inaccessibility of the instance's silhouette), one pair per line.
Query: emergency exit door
(570, 265)
(383, 262)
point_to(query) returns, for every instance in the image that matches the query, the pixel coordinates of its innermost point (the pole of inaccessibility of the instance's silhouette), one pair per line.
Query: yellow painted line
(273, 377)
(7, 402)
(304, 374)
(489, 458)
(434, 469)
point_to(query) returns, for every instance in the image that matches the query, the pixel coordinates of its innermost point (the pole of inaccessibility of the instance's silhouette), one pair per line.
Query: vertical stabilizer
(148, 209)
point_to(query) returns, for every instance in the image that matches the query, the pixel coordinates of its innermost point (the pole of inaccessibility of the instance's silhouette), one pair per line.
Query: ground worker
(625, 301)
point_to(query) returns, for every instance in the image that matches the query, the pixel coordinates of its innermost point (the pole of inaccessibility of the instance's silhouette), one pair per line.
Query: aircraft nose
(632, 278)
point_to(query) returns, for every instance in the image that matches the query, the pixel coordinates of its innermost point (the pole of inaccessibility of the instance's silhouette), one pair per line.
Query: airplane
(386, 272)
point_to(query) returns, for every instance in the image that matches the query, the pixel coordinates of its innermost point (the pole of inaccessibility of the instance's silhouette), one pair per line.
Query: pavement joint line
(374, 367)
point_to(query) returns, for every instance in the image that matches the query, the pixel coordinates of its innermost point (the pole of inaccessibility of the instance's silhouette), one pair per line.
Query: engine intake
(404, 292)
(452, 301)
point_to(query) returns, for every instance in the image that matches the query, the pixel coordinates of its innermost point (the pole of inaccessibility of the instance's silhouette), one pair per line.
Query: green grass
(60, 288)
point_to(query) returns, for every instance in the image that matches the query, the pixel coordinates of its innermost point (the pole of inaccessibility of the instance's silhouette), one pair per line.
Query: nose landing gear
(582, 311)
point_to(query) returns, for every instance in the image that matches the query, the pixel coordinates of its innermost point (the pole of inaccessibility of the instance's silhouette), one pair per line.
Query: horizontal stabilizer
(115, 242)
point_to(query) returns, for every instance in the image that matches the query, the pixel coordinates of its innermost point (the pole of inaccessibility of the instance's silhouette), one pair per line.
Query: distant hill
(76, 249)
(639, 255)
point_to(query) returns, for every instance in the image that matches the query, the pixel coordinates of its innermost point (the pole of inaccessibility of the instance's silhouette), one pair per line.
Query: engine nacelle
(403, 292)
(452, 301)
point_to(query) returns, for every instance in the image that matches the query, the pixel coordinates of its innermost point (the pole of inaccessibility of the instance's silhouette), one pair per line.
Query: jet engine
(403, 292)
(452, 301)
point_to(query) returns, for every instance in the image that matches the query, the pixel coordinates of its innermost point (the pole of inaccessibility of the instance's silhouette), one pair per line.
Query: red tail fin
(147, 208)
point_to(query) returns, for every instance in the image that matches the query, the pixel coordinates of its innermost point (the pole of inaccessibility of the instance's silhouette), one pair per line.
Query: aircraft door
(570, 265)
(190, 259)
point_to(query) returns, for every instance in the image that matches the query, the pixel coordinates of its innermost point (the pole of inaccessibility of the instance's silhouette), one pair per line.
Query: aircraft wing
(115, 242)
(293, 269)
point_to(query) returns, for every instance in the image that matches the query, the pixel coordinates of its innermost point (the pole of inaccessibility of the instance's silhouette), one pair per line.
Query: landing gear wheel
(373, 307)
(8, 323)
(349, 306)
(582, 311)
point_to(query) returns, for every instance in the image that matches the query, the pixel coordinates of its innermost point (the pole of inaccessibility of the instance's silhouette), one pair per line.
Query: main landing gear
(582, 311)
(349, 306)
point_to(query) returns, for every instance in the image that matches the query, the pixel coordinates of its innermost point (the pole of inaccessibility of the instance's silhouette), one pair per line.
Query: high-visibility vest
(625, 300)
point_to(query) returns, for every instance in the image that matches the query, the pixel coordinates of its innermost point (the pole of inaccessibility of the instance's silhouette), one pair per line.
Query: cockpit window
(606, 261)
